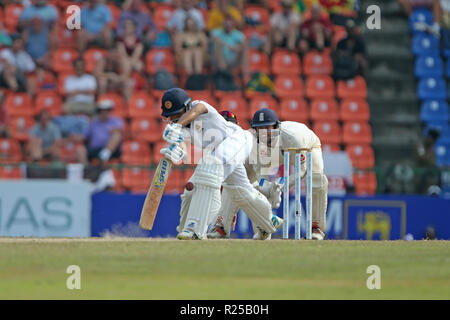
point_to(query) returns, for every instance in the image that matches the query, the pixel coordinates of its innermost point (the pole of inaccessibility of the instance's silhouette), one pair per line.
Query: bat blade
(154, 194)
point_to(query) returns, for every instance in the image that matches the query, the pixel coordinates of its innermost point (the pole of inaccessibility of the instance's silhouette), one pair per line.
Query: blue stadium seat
(429, 66)
(447, 69)
(420, 16)
(434, 111)
(445, 135)
(425, 44)
(442, 152)
(432, 89)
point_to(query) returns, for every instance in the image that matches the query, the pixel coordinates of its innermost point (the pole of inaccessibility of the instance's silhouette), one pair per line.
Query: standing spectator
(130, 50)
(217, 15)
(230, 48)
(145, 28)
(37, 41)
(315, 32)
(409, 5)
(190, 47)
(45, 139)
(15, 64)
(177, 21)
(104, 135)
(339, 171)
(80, 91)
(96, 19)
(42, 10)
(283, 27)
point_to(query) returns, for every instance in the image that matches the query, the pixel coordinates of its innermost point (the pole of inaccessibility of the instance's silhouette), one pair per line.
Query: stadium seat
(365, 183)
(354, 110)
(236, 104)
(44, 81)
(434, 111)
(329, 132)
(135, 152)
(204, 95)
(138, 81)
(429, 66)
(10, 172)
(20, 126)
(50, 101)
(115, 12)
(67, 38)
(361, 155)
(63, 58)
(145, 129)
(176, 182)
(262, 101)
(356, 132)
(142, 104)
(19, 104)
(10, 151)
(316, 63)
(11, 16)
(432, 89)
(425, 44)
(162, 15)
(330, 147)
(258, 61)
(442, 153)
(324, 109)
(285, 62)
(120, 108)
(257, 17)
(68, 151)
(353, 88)
(118, 177)
(159, 59)
(92, 56)
(420, 16)
(320, 87)
(136, 179)
(288, 86)
(294, 109)
(339, 33)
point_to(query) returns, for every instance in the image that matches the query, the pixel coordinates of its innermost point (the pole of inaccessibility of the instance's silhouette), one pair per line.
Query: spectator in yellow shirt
(217, 15)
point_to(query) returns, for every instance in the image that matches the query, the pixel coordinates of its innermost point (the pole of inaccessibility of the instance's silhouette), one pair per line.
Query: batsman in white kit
(279, 136)
(225, 147)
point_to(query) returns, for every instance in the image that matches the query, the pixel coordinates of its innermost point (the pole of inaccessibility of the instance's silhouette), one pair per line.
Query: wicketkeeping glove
(272, 191)
(173, 134)
(174, 153)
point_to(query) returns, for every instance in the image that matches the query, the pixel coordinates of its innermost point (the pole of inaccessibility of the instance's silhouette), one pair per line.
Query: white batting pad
(319, 199)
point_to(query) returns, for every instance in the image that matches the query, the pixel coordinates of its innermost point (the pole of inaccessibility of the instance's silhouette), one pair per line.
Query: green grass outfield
(121, 268)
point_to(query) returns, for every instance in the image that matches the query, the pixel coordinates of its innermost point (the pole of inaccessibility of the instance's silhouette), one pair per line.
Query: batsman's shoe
(189, 235)
(217, 232)
(316, 233)
(264, 235)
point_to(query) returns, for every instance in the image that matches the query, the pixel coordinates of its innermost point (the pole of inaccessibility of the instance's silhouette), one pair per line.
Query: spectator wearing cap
(45, 139)
(284, 27)
(104, 134)
(316, 31)
(216, 16)
(80, 91)
(96, 19)
(177, 22)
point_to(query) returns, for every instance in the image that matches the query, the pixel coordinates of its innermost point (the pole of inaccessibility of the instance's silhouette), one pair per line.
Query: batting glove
(174, 153)
(272, 191)
(173, 133)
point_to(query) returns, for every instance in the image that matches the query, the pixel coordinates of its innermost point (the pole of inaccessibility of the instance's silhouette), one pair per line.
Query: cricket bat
(154, 194)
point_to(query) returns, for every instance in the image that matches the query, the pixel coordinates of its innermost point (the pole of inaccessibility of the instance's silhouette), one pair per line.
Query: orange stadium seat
(145, 129)
(10, 172)
(361, 155)
(157, 59)
(262, 101)
(258, 17)
(324, 109)
(339, 33)
(136, 179)
(115, 12)
(20, 126)
(288, 86)
(68, 151)
(19, 104)
(365, 183)
(329, 132)
(354, 110)
(320, 87)
(92, 56)
(356, 132)
(43, 81)
(236, 104)
(138, 81)
(176, 182)
(50, 101)
(285, 62)
(294, 109)
(204, 95)
(316, 63)
(67, 38)
(275, 5)
(120, 109)
(61, 81)
(11, 16)
(258, 62)
(330, 147)
(63, 58)
(157, 146)
(10, 151)
(135, 152)
(353, 88)
(141, 104)
(161, 16)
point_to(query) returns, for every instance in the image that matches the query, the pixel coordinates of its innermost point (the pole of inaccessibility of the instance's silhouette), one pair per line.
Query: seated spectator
(409, 6)
(441, 15)
(283, 27)
(4, 118)
(15, 65)
(80, 91)
(339, 171)
(230, 47)
(104, 135)
(130, 50)
(216, 15)
(45, 139)
(96, 18)
(177, 21)
(350, 54)
(315, 32)
(190, 47)
(41, 79)
(108, 74)
(145, 28)
(37, 42)
(5, 39)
